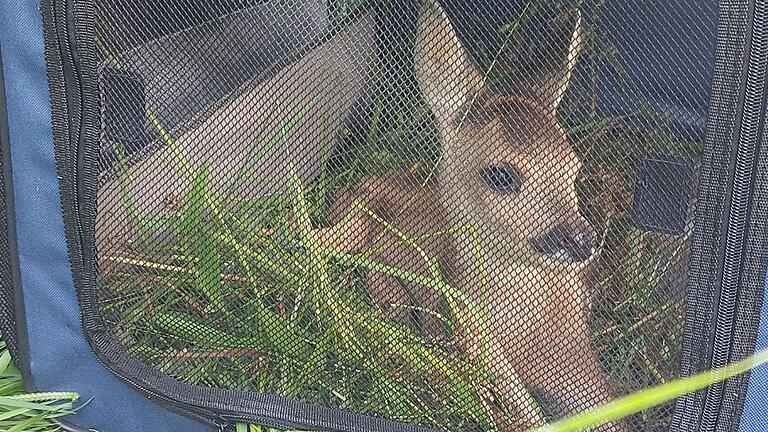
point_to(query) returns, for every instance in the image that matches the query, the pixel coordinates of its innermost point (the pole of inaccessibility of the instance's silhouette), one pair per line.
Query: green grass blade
(10, 401)
(654, 396)
(252, 159)
(5, 360)
(200, 245)
(47, 396)
(280, 334)
(311, 368)
(37, 422)
(201, 334)
(13, 413)
(208, 266)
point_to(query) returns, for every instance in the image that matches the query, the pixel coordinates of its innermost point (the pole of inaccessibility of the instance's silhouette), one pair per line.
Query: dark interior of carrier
(231, 130)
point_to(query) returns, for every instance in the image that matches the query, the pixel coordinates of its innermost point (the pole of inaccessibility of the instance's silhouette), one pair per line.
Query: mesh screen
(428, 212)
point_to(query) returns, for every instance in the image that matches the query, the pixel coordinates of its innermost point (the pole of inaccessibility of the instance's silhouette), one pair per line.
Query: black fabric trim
(264, 409)
(729, 244)
(12, 318)
(71, 64)
(62, 103)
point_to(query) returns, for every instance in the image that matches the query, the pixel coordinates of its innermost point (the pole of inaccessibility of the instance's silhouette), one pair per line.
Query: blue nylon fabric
(754, 417)
(61, 359)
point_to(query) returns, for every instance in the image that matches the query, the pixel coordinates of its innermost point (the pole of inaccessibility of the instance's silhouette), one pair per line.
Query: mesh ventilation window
(416, 211)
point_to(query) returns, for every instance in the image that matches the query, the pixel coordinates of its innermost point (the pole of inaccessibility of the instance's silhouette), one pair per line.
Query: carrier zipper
(73, 89)
(751, 124)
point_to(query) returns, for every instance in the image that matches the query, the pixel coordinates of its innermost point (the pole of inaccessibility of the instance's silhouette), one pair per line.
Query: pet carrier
(359, 216)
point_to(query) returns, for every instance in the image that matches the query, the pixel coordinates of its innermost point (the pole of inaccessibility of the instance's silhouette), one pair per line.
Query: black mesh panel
(462, 216)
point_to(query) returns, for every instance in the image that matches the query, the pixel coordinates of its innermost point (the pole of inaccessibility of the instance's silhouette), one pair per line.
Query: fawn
(500, 216)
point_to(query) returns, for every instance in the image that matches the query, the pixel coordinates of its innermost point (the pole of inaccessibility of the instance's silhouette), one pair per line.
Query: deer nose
(566, 242)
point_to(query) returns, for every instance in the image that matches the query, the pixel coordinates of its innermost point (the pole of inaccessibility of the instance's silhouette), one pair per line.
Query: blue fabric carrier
(698, 63)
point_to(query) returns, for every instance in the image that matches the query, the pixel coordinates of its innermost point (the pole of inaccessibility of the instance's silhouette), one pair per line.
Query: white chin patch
(563, 256)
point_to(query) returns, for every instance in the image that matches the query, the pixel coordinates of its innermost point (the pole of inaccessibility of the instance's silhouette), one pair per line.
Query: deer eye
(503, 179)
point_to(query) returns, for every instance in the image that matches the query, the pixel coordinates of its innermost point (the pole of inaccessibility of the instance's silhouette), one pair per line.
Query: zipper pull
(223, 424)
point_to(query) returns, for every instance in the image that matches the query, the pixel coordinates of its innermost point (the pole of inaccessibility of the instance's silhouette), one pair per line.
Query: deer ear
(446, 75)
(553, 89)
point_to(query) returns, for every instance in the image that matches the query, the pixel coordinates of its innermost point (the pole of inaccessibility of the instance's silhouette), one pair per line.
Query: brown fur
(413, 207)
(539, 305)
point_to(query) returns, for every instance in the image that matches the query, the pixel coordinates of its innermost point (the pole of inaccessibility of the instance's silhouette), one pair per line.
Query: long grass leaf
(654, 396)
(5, 360)
(203, 335)
(199, 242)
(9, 401)
(255, 154)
